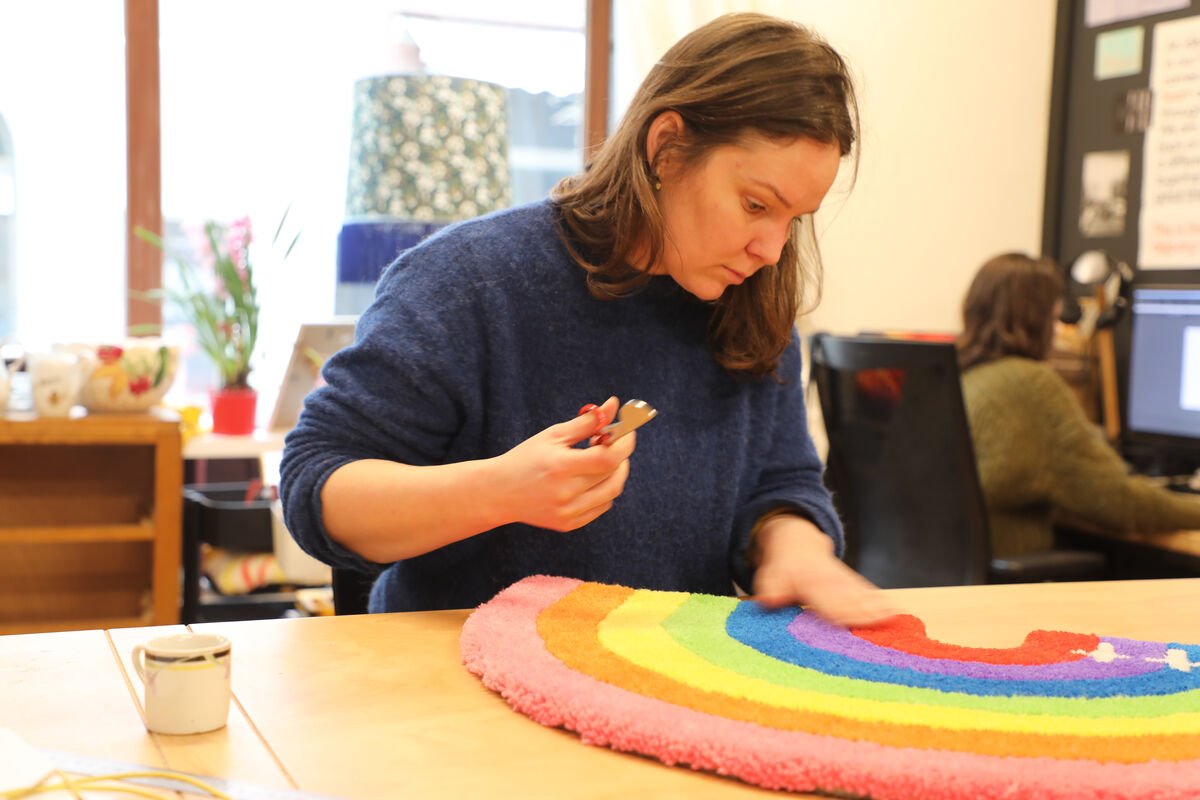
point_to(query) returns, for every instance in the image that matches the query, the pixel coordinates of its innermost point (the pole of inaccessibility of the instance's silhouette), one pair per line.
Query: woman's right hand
(387, 511)
(550, 483)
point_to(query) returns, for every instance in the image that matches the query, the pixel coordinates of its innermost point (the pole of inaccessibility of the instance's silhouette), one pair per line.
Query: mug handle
(137, 654)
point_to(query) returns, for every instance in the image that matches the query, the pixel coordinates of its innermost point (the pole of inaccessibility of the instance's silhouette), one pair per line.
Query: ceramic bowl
(128, 376)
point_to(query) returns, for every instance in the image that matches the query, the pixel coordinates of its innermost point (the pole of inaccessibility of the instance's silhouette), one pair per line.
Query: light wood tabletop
(380, 706)
(1176, 552)
(1184, 542)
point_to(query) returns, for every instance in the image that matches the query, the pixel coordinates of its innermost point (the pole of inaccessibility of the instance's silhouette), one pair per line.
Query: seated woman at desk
(1039, 456)
(445, 448)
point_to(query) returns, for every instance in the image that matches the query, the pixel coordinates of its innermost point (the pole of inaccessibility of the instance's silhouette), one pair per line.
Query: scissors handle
(631, 416)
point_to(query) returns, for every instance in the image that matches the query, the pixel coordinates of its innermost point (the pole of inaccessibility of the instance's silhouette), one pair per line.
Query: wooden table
(1169, 554)
(1182, 542)
(380, 706)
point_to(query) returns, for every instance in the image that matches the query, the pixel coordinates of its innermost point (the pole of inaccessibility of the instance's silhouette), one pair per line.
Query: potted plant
(223, 311)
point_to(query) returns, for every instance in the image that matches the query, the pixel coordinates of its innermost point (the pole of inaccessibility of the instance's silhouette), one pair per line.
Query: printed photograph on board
(1104, 196)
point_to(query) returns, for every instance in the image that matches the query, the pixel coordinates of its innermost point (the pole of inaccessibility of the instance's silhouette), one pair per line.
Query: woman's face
(731, 215)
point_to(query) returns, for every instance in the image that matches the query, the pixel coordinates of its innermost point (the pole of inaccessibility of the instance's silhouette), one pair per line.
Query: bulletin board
(1123, 166)
(1126, 174)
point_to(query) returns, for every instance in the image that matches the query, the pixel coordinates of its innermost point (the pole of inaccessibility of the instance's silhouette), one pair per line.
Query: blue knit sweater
(486, 334)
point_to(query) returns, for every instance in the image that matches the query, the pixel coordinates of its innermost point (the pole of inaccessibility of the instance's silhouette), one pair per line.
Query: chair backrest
(901, 465)
(351, 591)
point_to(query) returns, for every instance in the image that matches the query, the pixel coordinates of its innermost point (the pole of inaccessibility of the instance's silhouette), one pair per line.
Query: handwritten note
(1169, 234)
(1104, 12)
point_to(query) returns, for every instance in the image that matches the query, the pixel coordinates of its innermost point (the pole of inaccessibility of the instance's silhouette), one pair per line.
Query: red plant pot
(233, 410)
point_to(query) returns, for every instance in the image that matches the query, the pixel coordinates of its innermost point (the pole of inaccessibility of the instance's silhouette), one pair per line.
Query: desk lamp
(1108, 279)
(425, 151)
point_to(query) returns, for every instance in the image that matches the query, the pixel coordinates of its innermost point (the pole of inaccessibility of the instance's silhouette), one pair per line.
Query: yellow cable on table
(26, 771)
(77, 785)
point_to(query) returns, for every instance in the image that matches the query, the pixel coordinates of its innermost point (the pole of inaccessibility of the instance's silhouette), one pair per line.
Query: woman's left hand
(798, 566)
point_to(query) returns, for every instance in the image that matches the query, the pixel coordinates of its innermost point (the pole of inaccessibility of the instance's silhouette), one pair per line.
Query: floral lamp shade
(426, 150)
(428, 147)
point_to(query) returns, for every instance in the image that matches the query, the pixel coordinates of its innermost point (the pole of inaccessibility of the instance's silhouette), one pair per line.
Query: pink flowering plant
(223, 310)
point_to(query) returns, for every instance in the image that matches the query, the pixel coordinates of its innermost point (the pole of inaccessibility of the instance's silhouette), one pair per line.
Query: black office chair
(351, 590)
(902, 469)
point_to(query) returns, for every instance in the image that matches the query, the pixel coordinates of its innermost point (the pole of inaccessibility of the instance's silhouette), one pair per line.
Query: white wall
(955, 103)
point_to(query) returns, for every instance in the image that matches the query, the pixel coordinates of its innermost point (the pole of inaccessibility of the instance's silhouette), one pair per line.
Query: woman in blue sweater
(449, 451)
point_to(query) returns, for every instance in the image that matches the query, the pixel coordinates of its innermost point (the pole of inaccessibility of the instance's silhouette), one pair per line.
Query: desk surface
(380, 706)
(1186, 542)
(215, 445)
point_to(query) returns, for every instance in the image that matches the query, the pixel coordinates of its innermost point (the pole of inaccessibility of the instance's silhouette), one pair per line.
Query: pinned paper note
(1119, 53)
(1169, 236)
(1104, 204)
(1106, 12)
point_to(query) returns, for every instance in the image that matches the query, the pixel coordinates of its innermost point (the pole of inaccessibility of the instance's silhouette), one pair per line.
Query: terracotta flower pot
(233, 410)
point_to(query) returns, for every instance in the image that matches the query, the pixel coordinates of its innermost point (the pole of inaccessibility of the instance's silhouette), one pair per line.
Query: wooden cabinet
(90, 521)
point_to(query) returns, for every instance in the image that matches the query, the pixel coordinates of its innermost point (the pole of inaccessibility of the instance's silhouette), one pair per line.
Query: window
(257, 106)
(8, 234)
(62, 170)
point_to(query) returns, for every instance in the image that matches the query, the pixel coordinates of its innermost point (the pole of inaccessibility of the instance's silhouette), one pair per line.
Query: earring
(657, 183)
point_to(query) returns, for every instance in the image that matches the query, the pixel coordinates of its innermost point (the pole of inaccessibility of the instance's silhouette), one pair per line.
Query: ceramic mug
(186, 676)
(57, 380)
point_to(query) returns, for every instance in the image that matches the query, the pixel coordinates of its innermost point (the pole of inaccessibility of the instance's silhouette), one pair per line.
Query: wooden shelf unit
(90, 521)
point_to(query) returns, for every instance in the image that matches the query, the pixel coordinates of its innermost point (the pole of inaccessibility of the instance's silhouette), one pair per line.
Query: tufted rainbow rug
(784, 700)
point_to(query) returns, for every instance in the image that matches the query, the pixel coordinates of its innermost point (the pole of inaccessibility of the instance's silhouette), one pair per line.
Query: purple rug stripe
(811, 630)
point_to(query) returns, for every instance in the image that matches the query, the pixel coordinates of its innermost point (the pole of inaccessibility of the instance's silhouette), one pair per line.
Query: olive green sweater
(1040, 458)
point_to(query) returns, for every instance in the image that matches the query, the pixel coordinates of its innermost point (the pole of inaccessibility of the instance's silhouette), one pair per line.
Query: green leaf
(149, 236)
(279, 227)
(163, 356)
(145, 329)
(295, 239)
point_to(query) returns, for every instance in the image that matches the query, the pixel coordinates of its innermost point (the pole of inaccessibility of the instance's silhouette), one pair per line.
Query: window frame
(143, 265)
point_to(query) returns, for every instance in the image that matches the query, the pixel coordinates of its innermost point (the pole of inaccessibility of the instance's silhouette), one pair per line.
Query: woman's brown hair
(1009, 310)
(738, 77)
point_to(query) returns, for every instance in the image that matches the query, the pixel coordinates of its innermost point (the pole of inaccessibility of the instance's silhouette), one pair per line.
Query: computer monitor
(1162, 408)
